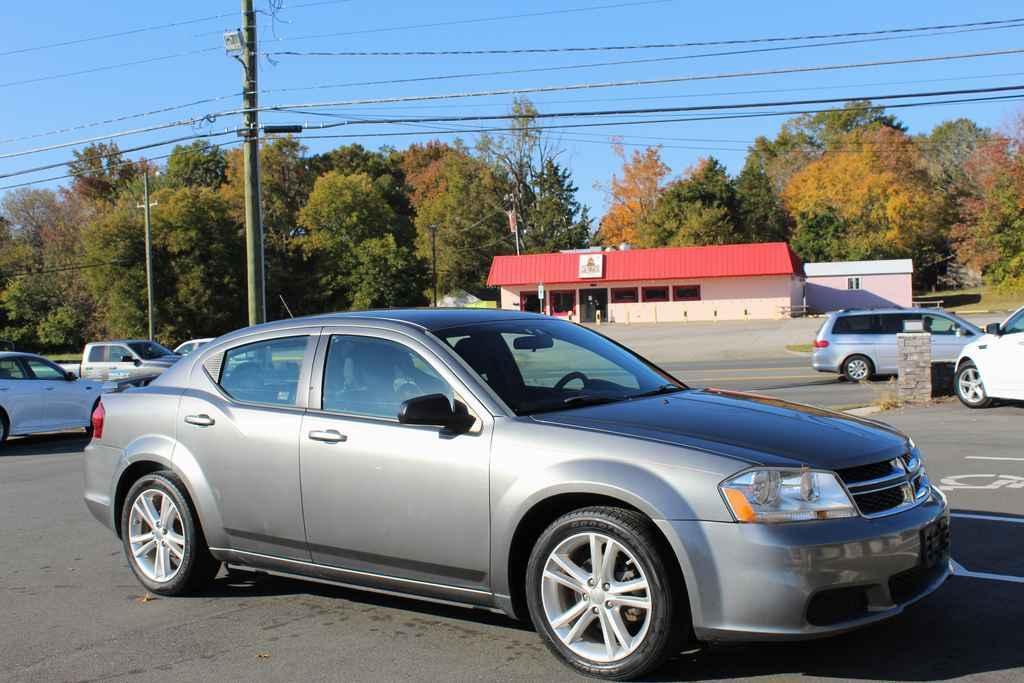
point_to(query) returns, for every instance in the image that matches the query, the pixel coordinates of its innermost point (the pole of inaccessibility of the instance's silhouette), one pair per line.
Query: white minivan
(992, 367)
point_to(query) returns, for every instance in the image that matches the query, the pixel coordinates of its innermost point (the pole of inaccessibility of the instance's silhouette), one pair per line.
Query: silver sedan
(521, 464)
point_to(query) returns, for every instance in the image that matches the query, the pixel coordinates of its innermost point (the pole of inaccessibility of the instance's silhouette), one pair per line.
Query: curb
(863, 411)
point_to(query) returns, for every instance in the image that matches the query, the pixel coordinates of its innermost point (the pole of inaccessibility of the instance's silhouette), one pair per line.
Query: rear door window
(98, 354)
(266, 371)
(11, 368)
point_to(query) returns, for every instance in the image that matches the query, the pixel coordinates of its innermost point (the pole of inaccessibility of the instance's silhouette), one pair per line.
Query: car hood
(756, 429)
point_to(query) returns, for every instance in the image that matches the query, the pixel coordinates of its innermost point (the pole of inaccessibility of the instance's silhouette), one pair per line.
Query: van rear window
(858, 324)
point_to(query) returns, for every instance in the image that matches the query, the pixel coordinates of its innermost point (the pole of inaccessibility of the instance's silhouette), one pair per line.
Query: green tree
(199, 164)
(760, 214)
(558, 220)
(698, 209)
(387, 275)
(471, 226)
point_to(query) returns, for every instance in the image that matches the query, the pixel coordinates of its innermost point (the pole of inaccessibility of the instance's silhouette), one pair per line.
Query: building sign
(591, 265)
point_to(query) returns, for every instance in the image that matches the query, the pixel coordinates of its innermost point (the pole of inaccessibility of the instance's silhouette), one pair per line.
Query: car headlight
(778, 495)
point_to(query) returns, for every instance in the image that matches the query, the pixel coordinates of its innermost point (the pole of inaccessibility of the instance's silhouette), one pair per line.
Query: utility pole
(433, 249)
(251, 158)
(149, 250)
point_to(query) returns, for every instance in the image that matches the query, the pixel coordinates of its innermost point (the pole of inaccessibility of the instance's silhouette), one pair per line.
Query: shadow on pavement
(44, 444)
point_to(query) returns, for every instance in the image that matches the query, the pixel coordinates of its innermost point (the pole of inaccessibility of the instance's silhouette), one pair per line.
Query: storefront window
(624, 295)
(655, 293)
(687, 293)
(563, 302)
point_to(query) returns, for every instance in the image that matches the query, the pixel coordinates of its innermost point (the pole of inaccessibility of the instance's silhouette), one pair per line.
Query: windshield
(540, 366)
(149, 350)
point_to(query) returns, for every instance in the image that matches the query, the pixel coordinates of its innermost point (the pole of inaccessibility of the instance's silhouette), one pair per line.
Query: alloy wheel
(156, 535)
(971, 388)
(596, 597)
(857, 369)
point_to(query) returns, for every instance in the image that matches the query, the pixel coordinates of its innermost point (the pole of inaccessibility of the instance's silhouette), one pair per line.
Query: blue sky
(38, 107)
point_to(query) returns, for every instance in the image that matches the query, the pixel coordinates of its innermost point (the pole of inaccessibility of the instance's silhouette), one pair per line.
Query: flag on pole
(513, 222)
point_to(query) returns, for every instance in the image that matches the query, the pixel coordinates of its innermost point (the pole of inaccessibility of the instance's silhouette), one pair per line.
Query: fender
(618, 480)
(174, 457)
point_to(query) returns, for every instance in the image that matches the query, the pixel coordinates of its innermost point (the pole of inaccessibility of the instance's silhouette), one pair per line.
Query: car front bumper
(805, 580)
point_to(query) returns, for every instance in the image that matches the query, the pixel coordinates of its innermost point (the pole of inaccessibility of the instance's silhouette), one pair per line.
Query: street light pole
(149, 252)
(433, 249)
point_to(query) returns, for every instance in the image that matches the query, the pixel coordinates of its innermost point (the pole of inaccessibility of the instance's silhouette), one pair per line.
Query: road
(71, 610)
(787, 375)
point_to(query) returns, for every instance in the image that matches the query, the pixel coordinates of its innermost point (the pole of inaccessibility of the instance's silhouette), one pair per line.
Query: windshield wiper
(663, 389)
(590, 399)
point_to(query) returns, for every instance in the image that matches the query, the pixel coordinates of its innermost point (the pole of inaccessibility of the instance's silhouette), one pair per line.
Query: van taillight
(98, 415)
(820, 343)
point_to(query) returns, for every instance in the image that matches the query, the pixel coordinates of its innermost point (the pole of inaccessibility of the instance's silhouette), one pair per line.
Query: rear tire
(969, 387)
(5, 427)
(162, 538)
(858, 368)
(618, 622)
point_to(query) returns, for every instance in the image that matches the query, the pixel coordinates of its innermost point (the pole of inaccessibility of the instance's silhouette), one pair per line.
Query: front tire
(162, 538)
(602, 595)
(858, 368)
(969, 387)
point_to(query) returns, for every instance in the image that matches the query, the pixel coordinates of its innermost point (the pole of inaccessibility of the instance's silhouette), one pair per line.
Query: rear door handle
(199, 420)
(328, 436)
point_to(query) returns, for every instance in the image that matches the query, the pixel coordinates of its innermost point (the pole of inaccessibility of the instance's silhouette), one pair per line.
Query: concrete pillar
(914, 363)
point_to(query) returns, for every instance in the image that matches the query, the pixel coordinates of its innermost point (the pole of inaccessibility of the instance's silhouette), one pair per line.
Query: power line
(988, 25)
(108, 67)
(125, 162)
(478, 20)
(743, 115)
(666, 110)
(678, 79)
(64, 269)
(157, 27)
(610, 84)
(138, 148)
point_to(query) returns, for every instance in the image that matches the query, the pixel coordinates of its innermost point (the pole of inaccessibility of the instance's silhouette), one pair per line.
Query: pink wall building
(726, 282)
(858, 284)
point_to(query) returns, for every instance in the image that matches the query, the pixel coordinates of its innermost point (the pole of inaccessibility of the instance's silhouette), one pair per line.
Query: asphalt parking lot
(71, 610)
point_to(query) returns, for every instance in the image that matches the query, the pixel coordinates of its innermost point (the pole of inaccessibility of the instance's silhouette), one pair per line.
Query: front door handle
(328, 436)
(199, 420)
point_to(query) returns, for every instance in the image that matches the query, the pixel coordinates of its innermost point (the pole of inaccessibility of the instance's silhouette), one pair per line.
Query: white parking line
(959, 570)
(990, 518)
(992, 457)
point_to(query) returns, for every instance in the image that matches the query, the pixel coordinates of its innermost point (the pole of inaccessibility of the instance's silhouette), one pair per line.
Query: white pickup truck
(133, 360)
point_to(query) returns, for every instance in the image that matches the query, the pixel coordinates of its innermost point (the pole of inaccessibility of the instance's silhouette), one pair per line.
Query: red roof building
(732, 281)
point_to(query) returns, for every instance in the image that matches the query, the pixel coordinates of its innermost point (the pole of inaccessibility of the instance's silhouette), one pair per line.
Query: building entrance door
(530, 302)
(592, 302)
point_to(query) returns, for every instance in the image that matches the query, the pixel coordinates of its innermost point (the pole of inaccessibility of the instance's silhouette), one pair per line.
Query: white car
(38, 396)
(191, 345)
(992, 367)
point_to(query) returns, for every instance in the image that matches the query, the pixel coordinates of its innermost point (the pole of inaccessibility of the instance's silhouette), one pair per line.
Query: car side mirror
(994, 329)
(434, 410)
(70, 376)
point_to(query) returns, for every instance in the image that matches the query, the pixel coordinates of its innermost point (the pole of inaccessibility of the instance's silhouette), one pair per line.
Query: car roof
(892, 309)
(430, 319)
(21, 354)
(119, 341)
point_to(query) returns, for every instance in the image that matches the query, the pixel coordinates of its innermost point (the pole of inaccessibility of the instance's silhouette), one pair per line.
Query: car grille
(886, 487)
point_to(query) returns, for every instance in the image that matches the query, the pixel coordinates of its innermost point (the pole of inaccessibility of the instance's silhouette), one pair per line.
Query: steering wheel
(560, 384)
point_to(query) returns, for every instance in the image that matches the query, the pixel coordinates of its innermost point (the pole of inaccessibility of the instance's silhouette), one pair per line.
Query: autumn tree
(874, 196)
(100, 171)
(760, 216)
(633, 196)
(990, 236)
